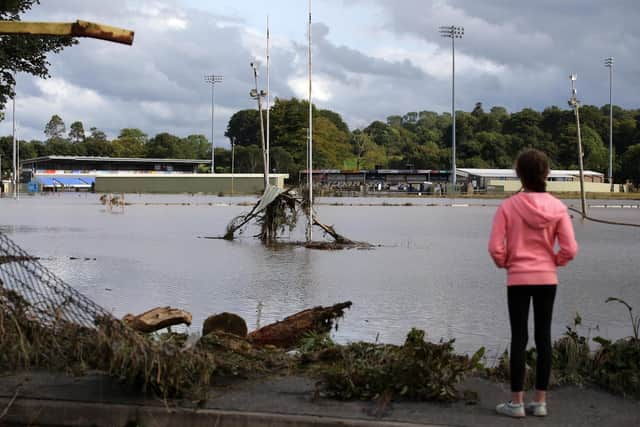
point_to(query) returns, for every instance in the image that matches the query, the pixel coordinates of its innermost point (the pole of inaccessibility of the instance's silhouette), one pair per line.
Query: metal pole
(213, 109)
(15, 166)
(268, 167)
(233, 150)
(310, 170)
(258, 95)
(212, 79)
(453, 109)
(611, 127)
(608, 62)
(576, 105)
(453, 32)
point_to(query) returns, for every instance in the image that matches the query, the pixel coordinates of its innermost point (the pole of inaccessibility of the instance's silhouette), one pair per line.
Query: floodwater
(431, 270)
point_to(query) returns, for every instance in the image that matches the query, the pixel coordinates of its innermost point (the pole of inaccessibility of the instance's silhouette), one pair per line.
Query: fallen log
(288, 332)
(157, 318)
(339, 238)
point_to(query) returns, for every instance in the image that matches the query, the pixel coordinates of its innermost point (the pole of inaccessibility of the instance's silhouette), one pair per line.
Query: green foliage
(417, 370)
(617, 366)
(635, 320)
(631, 163)
(55, 128)
(76, 132)
(614, 366)
(24, 54)
(420, 140)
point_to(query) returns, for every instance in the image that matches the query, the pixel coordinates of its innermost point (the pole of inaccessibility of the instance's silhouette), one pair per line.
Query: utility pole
(608, 62)
(258, 94)
(573, 101)
(453, 33)
(213, 79)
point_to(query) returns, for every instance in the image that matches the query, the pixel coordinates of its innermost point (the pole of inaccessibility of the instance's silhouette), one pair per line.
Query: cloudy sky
(372, 59)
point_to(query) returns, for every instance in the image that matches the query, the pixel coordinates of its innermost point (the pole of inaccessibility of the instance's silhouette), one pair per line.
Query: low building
(137, 175)
(428, 180)
(378, 179)
(506, 180)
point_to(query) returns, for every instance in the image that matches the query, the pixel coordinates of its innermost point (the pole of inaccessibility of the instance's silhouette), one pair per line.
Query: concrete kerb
(44, 412)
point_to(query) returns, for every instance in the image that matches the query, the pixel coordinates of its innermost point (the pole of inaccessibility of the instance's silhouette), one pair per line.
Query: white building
(506, 180)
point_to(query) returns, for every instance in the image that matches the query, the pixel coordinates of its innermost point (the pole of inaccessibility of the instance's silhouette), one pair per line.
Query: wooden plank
(73, 29)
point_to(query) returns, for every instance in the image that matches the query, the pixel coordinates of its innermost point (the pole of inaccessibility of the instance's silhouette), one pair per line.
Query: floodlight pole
(453, 33)
(573, 101)
(213, 79)
(310, 169)
(608, 62)
(268, 158)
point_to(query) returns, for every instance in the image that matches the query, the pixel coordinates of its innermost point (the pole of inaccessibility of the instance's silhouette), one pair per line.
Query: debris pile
(278, 211)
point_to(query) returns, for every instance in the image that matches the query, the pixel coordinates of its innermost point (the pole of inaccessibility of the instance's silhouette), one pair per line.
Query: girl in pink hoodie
(525, 230)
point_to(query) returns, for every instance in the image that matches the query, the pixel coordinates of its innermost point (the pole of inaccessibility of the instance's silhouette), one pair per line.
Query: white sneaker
(515, 410)
(539, 409)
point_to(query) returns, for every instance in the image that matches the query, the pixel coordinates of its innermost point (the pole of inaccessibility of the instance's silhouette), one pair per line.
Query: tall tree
(55, 128)
(76, 132)
(130, 143)
(244, 128)
(19, 53)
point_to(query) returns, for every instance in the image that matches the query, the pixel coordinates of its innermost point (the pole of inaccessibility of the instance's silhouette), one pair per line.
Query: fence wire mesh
(49, 298)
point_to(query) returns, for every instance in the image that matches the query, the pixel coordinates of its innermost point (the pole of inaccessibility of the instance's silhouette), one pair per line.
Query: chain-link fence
(48, 297)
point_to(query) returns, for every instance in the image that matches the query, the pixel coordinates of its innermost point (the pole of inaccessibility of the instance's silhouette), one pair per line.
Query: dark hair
(532, 167)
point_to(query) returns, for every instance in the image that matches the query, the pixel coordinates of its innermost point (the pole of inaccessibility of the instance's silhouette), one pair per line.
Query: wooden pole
(70, 29)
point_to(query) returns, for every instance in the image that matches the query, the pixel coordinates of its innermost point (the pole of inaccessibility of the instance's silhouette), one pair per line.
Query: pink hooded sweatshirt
(523, 237)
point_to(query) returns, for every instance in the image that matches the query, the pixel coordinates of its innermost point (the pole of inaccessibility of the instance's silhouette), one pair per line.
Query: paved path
(96, 400)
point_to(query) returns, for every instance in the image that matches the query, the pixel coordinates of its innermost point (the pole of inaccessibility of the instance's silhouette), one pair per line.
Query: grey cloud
(341, 61)
(537, 43)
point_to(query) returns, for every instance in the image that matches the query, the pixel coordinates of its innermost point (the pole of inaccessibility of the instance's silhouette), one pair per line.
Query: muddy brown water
(432, 270)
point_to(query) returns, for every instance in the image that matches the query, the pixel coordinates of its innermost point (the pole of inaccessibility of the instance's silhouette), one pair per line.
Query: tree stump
(225, 322)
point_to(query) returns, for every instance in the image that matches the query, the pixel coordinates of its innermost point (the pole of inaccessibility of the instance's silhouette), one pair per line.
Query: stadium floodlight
(213, 79)
(453, 33)
(608, 62)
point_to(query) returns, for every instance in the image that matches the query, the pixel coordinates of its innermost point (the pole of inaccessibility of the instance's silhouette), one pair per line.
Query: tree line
(422, 140)
(415, 140)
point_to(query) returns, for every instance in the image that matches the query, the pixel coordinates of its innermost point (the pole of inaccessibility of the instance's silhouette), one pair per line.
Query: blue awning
(46, 181)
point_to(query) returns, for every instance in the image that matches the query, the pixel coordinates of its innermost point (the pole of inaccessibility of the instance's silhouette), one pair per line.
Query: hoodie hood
(538, 210)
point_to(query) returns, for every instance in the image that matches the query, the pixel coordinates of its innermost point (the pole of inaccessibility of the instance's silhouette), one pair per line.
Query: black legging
(519, 297)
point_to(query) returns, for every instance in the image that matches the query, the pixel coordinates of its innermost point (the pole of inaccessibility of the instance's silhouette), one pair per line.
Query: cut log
(157, 318)
(288, 332)
(225, 322)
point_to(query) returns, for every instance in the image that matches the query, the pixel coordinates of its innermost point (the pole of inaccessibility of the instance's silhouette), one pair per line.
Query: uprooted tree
(277, 211)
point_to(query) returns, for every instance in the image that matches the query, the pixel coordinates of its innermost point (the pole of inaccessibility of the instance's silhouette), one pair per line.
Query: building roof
(511, 173)
(114, 160)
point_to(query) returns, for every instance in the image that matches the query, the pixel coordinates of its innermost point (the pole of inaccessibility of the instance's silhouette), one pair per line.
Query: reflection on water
(431, 271)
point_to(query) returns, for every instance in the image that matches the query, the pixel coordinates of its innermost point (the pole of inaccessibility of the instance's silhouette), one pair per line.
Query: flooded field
(430, 271)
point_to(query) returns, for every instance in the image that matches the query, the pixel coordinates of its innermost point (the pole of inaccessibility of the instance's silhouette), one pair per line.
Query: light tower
(608, 62)
(453, 33)
(212, 79)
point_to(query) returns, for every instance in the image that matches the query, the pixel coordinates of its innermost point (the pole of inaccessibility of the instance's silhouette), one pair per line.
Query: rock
(225, 322)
